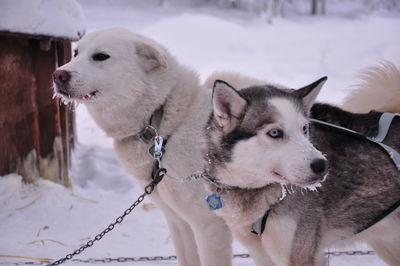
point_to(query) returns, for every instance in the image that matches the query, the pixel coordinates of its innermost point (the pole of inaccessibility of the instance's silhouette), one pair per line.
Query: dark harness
(385, 121)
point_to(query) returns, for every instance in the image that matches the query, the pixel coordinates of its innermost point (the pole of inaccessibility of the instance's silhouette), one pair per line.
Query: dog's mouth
(306, 185)
(65, 95)
(280, 177)
(89, 96)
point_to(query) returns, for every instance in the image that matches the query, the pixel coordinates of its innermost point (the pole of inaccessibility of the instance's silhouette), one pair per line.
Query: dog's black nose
(61, 76)
(319, 166)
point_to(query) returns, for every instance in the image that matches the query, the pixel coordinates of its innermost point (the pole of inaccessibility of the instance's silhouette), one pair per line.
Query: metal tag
(214, 202)
(153, 151)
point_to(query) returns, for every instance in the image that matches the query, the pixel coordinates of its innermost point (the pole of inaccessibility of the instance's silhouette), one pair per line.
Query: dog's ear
(309, 93)
(228, 105)
(150, 57)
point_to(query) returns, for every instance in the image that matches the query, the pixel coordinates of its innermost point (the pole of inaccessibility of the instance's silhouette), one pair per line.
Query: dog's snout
(319, 166)
(61, 76)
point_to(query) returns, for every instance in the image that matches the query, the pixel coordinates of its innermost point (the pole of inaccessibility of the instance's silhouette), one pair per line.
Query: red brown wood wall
(36, 132)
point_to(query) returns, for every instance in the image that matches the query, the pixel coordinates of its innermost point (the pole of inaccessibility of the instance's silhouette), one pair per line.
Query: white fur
(235, 79)
(379, 89)
(139, 76)
(278, 238)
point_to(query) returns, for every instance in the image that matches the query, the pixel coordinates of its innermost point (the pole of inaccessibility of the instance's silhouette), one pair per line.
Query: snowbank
(58, 18)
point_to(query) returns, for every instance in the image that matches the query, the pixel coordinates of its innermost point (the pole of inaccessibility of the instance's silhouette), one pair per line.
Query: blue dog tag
(214, 202)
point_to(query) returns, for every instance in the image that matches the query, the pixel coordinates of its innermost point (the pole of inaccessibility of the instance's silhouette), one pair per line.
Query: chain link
(173, 258)
(350, 253)
(147, 191)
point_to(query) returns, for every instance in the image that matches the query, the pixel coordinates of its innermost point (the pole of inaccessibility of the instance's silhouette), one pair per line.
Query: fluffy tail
(378, 90)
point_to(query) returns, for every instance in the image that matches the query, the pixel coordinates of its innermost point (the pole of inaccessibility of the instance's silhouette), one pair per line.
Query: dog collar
(148, 133)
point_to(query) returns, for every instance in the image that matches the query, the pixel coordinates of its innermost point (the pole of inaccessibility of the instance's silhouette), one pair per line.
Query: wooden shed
(36, 132)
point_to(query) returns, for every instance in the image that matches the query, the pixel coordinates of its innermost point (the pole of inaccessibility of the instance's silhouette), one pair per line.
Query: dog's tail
(378, 90)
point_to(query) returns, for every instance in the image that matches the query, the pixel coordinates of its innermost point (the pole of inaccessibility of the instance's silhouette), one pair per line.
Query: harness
(385, 122)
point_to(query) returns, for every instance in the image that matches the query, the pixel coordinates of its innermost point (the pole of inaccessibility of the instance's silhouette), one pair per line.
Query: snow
(46, 220)
(57, 18)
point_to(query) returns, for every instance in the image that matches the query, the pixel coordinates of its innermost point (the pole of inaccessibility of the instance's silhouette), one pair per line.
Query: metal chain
(147, 191)
(173, 258)
(350, 253)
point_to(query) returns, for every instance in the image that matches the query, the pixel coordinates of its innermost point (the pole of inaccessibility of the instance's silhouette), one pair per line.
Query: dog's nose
(61, 76)
(319, 166)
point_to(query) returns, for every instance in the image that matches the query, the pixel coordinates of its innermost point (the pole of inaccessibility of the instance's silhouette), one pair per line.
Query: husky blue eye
(275, 133)
(100, 57)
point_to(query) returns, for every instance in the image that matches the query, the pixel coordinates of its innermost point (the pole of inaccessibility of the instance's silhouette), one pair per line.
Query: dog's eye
(100, 57)
(275, 133)
(75, 53)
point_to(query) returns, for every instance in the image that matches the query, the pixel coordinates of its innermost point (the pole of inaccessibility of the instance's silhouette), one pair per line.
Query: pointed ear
(309, 93)
(150, 57)
(228, 105)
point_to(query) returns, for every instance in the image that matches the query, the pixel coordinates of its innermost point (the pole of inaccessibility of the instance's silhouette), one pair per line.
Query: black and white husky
(258, 144)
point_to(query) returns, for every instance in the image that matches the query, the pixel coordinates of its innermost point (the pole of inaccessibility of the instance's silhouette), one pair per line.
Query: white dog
(124, 79)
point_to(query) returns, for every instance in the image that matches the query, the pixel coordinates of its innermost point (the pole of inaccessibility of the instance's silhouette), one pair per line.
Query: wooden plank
(67, 113)
(44, 64)
(19, 125)
(37, 133)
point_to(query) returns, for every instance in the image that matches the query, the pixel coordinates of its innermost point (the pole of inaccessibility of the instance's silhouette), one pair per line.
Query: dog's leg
(278, 237)
(305, 245)
(293, 243)
(253, 244)
(306, 248)
(384, 238)
(214, 241)
(183, 239)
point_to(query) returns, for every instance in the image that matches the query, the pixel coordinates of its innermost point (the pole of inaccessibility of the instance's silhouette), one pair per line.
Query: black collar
(148, 133)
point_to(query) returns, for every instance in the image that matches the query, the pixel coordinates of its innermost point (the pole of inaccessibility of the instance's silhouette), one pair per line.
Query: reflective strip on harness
(384, 124)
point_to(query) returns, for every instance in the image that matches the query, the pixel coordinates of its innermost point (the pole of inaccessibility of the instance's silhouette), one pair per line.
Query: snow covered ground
(46, 220)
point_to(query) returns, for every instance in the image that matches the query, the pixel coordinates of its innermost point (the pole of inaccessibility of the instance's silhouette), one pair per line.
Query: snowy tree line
(276, 8)
(312, 7)
(287, 7)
